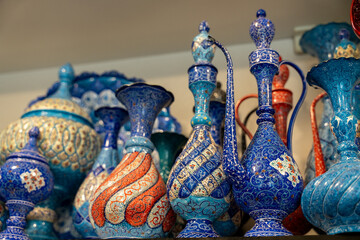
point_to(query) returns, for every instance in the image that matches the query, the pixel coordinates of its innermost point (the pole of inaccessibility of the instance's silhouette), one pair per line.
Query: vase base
(344, 229)
(198, 228)
(14, 233)
(268, 223)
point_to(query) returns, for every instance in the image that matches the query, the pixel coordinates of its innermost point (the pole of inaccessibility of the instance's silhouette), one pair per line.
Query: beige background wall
(170, 71)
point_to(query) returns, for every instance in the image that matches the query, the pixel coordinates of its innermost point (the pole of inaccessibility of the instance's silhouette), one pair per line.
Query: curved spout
(231, 164)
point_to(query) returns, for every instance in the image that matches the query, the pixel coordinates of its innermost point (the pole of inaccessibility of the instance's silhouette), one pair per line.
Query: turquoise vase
(331, 200)
(113, 118)
(169, 145)
(198, 189)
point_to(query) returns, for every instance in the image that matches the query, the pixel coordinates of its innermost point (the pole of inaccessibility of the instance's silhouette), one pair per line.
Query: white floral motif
(32, 180)
(285, 165)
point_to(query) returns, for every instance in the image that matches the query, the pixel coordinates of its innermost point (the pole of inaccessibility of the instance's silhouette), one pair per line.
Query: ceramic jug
(266, 181)
(330, 201)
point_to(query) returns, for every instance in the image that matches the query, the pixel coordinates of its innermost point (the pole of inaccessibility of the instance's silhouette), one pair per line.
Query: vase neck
(202, 82)
(264, 74)
(343, 125)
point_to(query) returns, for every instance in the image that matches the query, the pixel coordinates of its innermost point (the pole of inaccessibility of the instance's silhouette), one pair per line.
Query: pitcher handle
(237, 118)
(298, 104)
(320, 167)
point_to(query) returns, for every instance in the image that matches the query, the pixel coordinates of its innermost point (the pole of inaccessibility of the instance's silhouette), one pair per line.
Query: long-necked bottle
(197, 187)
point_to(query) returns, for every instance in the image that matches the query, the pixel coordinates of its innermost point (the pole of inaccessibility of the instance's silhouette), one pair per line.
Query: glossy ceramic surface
(197, 187)
(132, 201)
(266, 181)
(329, 201)
(25, 179)
(169, 145)
(67, 140)
(112, 119)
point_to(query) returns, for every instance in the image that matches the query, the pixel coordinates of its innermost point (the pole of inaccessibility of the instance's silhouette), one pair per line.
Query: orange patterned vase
(132, 201)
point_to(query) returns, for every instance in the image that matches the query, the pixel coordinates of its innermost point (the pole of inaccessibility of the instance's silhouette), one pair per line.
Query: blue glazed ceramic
(132, 201)
(330, 201)
(321, 42)
(197, 187)
(25, 179)
(67, 140)
(230, 221)
(165, 122)
(64, 225)
(107, 160)
(217, 115)
(266, 181)
(169, 145)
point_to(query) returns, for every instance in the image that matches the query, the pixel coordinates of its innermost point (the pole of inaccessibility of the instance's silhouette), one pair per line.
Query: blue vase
(320, 42)
(67, 140)
(330, 201)
(107, 160)
(169, 145)
(197, 187)
(132, 201)
(227, 224)
(266, 182)
(25, 179)
(165, 122)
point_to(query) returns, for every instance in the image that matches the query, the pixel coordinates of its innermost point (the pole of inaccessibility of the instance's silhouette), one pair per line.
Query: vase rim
(140, 84)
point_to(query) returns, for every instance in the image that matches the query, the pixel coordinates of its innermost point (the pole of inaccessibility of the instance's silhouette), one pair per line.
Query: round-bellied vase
(197, 187)
(331, 200)
(266, 182)
(67, 140)
(25, 180)
(132, 201)
(107, 160)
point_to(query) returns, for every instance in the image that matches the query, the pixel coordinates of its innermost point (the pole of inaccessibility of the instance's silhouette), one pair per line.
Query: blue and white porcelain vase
(266, 182)
(330, 201)
(132, 201)
(197, 187)
(25, 179)
(113, 118)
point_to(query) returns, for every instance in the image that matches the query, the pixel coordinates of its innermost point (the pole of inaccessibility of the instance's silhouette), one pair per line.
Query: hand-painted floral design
(33, 180)
(286, 165)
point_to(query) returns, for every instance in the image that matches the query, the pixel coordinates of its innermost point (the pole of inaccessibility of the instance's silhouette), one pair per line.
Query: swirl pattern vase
(197, 187)
(108, 159)
(132, 201)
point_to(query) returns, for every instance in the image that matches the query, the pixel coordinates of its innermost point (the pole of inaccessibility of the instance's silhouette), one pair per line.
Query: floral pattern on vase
(265, 192)
(25, 179)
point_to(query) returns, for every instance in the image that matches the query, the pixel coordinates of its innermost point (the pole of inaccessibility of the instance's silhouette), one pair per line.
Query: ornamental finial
(202, 49)
(262, 30)
(345, 48)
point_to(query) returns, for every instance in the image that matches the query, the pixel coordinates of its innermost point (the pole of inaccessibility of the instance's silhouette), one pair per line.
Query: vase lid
(30, 151)
(60, 104)
(202, 49)
(262, 30)
(345, 48)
